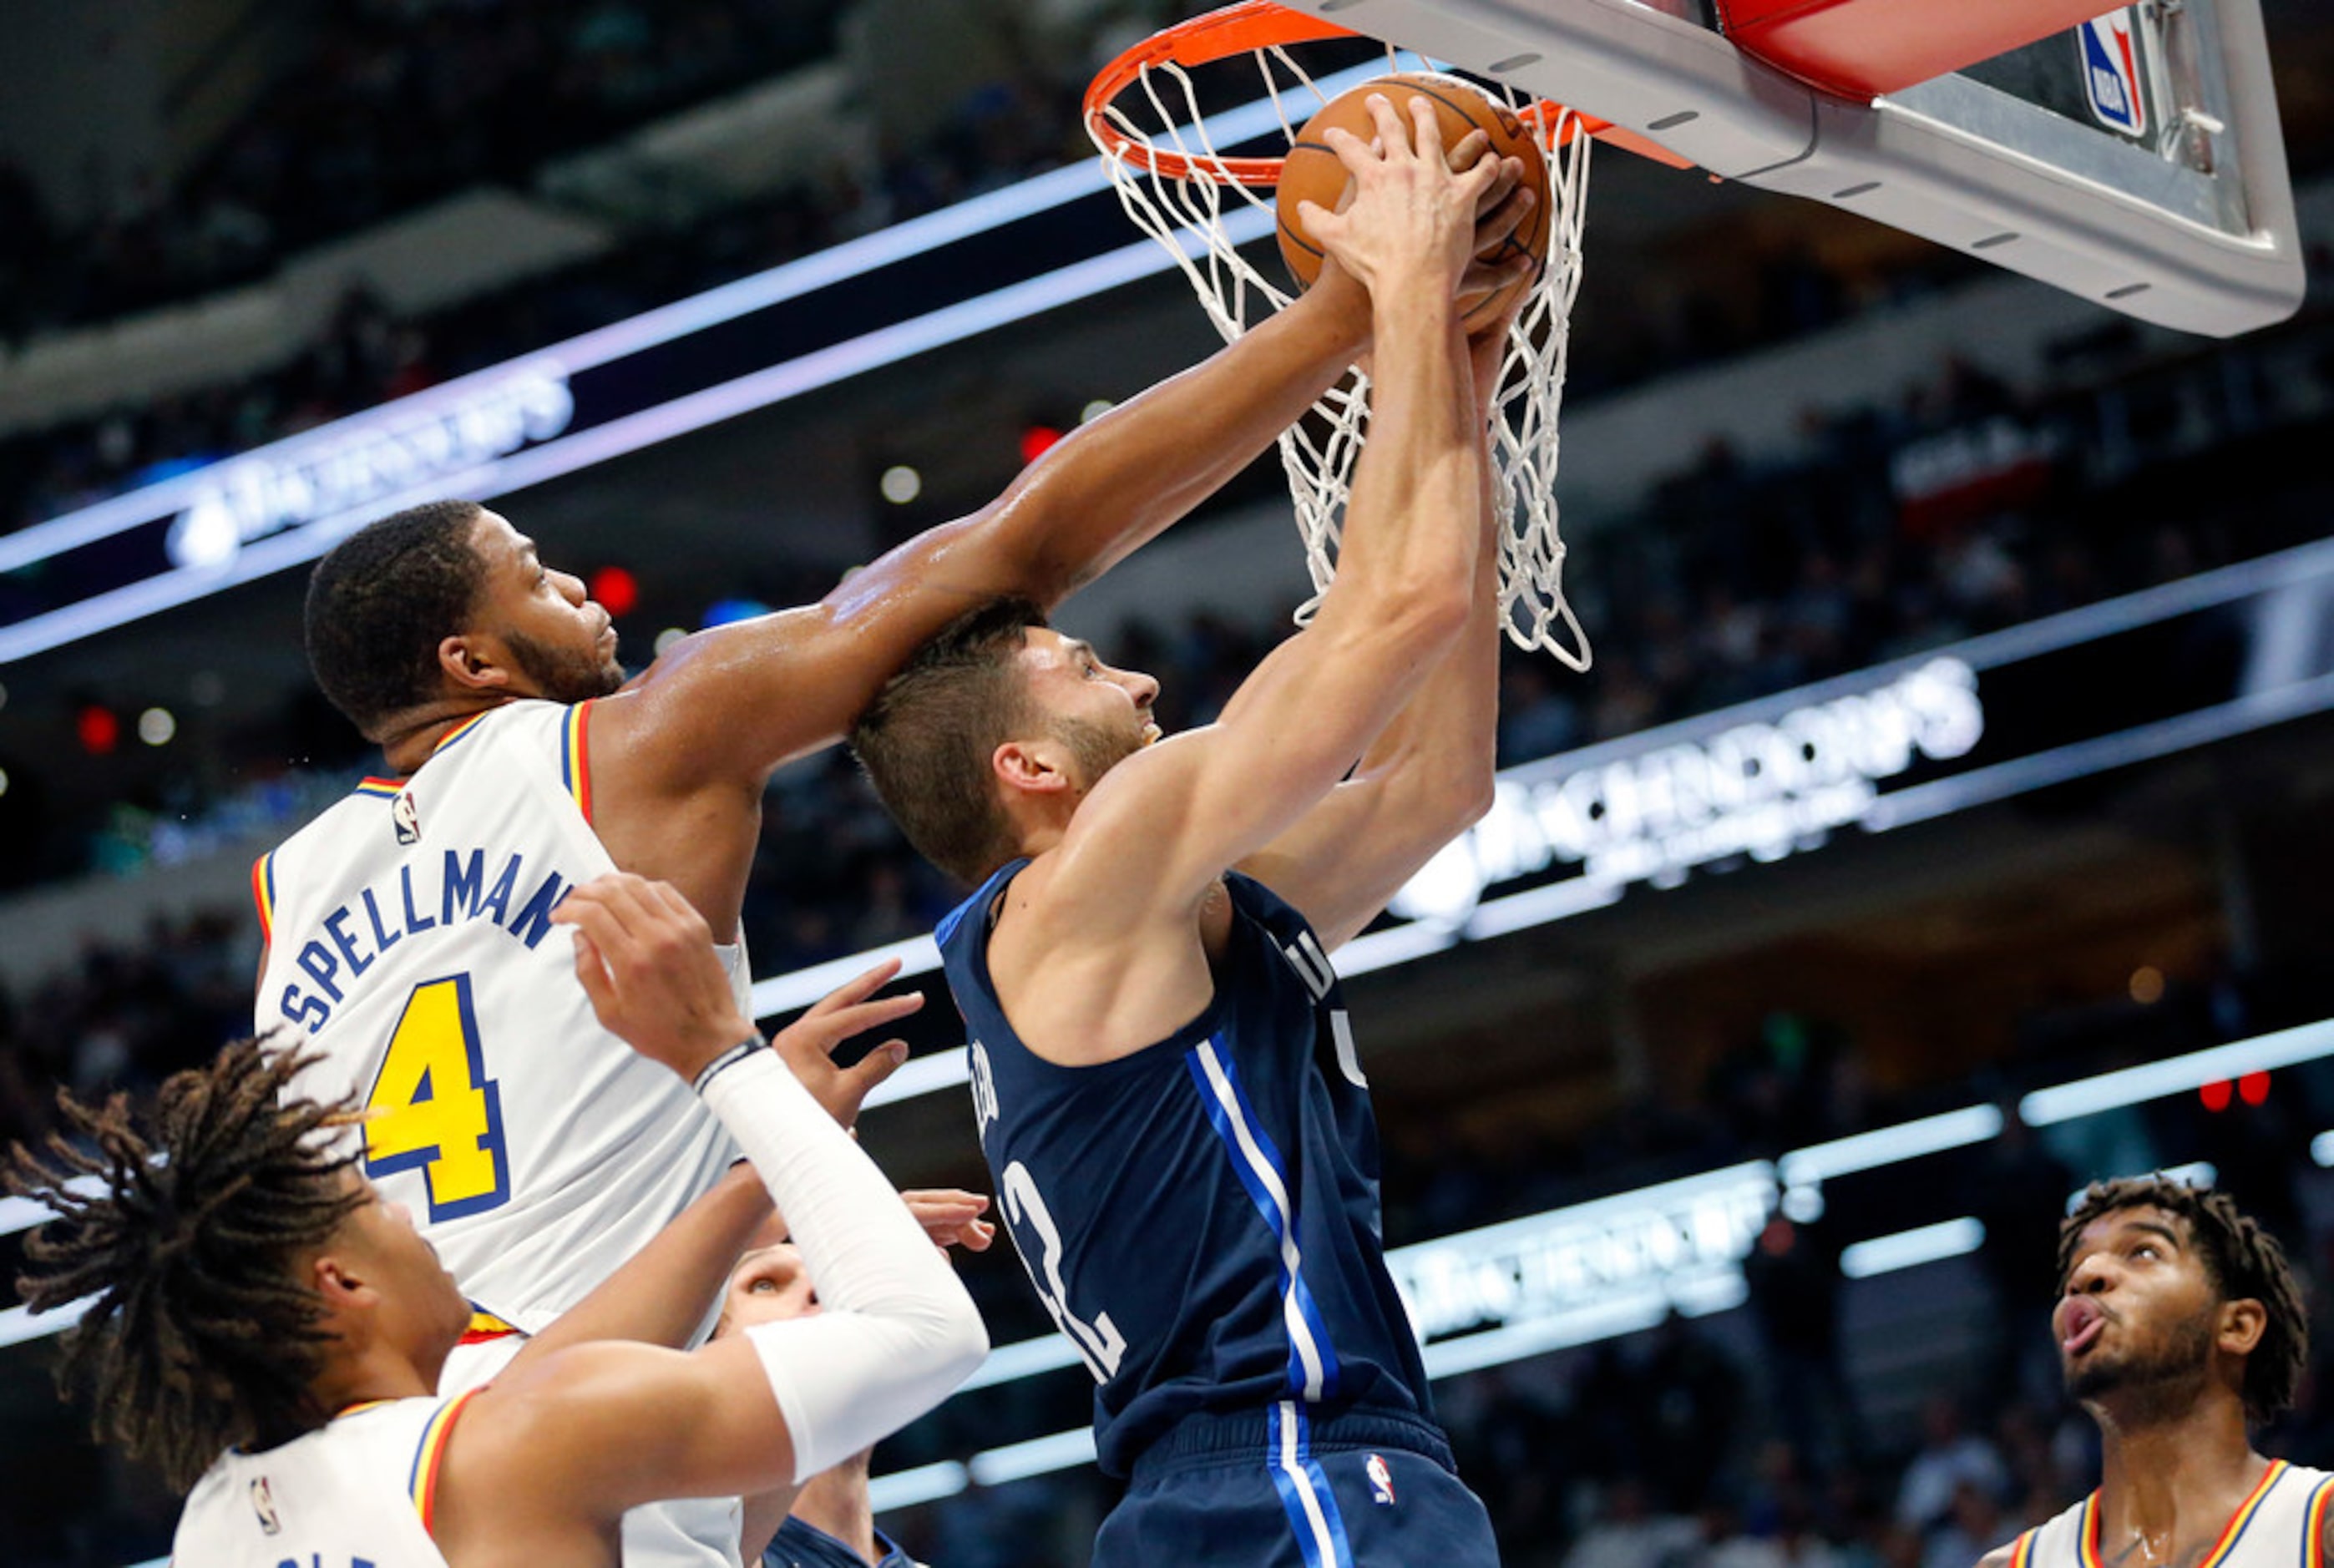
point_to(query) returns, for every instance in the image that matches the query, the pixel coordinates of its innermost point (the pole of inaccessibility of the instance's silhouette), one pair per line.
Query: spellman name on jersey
(345, 942)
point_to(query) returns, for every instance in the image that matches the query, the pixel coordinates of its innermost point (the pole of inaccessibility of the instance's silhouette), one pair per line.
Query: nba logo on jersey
(408, 818)
(263, 1503)
(1381, 1481)
(2111, 72)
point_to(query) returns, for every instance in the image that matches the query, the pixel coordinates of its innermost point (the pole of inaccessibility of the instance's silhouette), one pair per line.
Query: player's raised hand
(951, 1217)
(645, 958)
(807, 1044)
(1411, 220)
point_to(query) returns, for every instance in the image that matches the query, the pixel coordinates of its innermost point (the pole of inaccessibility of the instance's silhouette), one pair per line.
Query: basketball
(1312, 173)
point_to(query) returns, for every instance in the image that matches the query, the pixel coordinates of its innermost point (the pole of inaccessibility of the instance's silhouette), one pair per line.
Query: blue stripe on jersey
(1303, 1487)
(1312, 1359)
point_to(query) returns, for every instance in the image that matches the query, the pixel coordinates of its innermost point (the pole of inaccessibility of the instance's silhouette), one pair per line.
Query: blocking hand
(1411, 220)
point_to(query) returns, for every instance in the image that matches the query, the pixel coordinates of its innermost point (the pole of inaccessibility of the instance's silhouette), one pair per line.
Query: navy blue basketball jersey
(1202, 1217)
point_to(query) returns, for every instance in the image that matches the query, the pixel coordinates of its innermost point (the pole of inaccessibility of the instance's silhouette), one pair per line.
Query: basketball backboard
(2135, 159)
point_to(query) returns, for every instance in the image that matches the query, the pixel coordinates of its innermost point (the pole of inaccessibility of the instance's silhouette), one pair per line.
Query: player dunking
(1166, 1088)
(406, 926)
(2179, 1326)
(272, 1330)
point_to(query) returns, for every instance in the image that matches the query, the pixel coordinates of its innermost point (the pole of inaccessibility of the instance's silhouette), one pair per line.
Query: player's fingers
(1391, 133)
(846, 1022)
(1504, 184)
(1426, 131)
(667, 898)
(859, 988)
(1351, 151)
(877, 1066)
(608, 901)
(1473, 182)
(1471, 149)
(591, 972)
(978, 1234)
(1495, 227)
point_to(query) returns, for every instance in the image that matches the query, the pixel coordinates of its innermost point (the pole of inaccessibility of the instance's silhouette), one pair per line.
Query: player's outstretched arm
(557, 1449)
(662, 1294)
(1432, 771)
(736, 701)
(1200, 802)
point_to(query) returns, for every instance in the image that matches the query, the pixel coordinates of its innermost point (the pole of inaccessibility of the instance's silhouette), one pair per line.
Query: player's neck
(407, 740)
(835, 1501)
(368, 1376)
(2169, 1478)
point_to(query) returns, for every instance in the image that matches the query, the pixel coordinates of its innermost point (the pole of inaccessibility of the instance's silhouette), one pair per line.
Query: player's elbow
(1418, 615)
(950, 1340)
(962, 1340)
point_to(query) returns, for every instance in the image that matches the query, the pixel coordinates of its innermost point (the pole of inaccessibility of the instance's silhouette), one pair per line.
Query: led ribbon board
(1983, 720)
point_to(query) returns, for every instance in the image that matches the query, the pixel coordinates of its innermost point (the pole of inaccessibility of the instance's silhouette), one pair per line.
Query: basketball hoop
(1144, 112)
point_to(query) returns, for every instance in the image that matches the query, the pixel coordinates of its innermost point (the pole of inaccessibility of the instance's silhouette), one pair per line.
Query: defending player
(830, 1523)
(1166, 1088)
(2179, 1325)
(406, 925)
(271, 1330)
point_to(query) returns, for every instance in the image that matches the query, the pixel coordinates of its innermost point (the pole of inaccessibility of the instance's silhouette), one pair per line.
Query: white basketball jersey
(410, 942)
(359, 1490)
(2278, 1525)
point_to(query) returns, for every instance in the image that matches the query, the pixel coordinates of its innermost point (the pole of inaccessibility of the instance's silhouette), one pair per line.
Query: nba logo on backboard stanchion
(2111, 72)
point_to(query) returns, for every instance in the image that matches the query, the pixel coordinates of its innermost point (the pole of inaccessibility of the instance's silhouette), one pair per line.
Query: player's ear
(341, 1281)
(2242, 1324)
(472, 663)
(1031, 766)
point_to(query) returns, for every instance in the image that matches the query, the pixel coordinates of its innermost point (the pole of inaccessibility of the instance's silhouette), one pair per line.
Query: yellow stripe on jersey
(2087, 1537)
(431, 1452)
(263, 893)
(575, 756)
(380, 788)
(2022, 1556)
(2243, 1515)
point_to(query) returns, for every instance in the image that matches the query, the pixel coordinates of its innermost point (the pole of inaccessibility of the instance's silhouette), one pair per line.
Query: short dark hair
(926, 740)
(202, 1335)
(2244, 1262)
(379, 602)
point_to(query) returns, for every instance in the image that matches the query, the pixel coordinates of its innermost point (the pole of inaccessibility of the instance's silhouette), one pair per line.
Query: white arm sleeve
(897, 1333)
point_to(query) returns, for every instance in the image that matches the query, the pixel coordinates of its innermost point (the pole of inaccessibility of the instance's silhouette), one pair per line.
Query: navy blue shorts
(1273, 1489)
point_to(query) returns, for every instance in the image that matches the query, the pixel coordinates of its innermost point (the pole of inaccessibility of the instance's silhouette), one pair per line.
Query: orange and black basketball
(1312, 173)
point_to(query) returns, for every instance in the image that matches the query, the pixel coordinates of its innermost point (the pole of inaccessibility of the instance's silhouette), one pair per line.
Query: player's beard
(2160, 1380)
(561, 675)
(1097, 748)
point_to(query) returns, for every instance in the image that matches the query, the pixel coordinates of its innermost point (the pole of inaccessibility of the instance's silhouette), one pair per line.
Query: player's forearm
(1120, 480)
(662, 1294)
(898, 1332)
(1410, 541)
(1441, 751)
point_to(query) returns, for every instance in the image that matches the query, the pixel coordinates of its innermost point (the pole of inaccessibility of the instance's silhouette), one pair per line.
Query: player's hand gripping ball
(1312, 172)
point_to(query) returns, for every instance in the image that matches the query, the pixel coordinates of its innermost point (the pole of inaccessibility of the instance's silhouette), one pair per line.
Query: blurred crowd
(389, 104)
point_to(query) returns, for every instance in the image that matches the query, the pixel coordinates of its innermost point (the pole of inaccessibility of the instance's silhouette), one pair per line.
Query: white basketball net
(1188, 216)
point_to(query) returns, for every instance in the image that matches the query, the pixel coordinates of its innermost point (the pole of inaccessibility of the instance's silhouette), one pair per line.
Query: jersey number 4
(434, 1109)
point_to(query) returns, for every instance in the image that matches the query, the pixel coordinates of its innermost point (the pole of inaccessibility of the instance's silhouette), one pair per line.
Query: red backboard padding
(1859, 49)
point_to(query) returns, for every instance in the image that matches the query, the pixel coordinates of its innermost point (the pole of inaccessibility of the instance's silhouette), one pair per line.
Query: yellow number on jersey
(432, 1106)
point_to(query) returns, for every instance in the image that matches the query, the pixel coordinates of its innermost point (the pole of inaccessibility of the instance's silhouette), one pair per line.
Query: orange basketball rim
(1250, 27)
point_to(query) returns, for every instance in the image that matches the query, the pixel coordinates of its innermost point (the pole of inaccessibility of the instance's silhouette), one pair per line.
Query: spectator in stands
(1950, 1457)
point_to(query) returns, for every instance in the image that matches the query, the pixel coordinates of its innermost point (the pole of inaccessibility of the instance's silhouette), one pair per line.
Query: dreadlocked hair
(2244, 1262)
(199, 1336)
